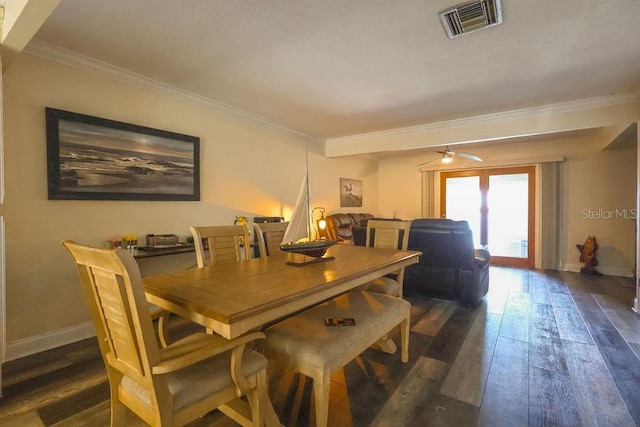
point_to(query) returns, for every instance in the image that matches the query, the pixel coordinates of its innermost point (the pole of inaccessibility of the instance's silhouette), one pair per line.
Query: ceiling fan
(447, 156)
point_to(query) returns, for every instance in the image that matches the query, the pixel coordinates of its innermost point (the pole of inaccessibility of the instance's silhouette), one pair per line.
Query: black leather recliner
(449, 267)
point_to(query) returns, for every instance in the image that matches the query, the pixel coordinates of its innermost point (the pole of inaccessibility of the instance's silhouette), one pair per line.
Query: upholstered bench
(311, 348)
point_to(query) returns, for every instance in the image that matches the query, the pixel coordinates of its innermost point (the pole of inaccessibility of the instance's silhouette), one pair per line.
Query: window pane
(463, 202)
(507, 200)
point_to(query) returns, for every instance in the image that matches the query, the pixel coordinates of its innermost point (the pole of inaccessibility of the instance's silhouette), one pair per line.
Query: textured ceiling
(332, 68)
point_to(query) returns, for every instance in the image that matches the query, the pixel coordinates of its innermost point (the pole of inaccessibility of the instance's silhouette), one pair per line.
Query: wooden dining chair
(225, 243)
(269, 236)
(389, 234)
(164, 386)
(392, 235)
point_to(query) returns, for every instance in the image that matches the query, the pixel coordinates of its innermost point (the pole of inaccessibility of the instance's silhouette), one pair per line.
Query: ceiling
(335, 68)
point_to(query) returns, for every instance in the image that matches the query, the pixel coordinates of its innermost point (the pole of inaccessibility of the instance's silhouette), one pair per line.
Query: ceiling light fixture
(448, 155)
(471, 16)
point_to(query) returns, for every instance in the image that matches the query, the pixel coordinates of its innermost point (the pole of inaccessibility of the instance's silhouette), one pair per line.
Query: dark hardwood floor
(544, 348)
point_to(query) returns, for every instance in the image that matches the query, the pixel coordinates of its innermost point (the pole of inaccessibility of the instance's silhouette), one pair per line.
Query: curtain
(550, 220)
(428, 194)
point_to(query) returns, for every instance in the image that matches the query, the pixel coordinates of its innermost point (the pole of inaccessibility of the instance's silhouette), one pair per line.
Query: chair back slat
(269, 236)
(225, 243)
(388, 234)
(387, 238)
(110, 292)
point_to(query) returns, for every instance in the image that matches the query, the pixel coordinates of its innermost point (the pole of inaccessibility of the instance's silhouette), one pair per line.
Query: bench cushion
(307, 341)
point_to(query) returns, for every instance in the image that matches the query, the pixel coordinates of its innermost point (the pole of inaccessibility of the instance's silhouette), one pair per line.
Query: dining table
(232, 299)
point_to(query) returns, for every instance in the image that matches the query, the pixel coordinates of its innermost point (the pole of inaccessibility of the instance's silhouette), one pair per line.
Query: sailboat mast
(308, 212)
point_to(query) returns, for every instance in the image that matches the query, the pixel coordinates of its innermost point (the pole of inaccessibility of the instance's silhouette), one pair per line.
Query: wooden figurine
(588, 256)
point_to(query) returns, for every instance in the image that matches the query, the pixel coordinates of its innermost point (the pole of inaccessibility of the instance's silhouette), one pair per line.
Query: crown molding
(545, 110)
(72, 59)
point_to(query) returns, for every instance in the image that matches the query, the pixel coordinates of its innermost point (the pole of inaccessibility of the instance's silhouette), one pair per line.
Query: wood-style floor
(544, 348)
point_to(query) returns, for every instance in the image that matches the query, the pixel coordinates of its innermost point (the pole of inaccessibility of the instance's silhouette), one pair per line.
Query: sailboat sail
(299, 225)
(298, 236)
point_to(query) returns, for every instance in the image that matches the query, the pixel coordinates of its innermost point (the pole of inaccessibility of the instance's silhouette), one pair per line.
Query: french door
(499, 206)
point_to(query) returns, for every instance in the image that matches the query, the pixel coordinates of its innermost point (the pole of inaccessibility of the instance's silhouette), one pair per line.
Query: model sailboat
(298, 237)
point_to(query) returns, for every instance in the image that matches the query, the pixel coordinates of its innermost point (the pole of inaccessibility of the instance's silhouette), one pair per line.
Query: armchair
(226, 243)
(172, 385)
(269, 236)
(449, 267)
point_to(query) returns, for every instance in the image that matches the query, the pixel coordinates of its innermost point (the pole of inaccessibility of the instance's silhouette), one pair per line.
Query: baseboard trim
(607, 271)
(33, 345)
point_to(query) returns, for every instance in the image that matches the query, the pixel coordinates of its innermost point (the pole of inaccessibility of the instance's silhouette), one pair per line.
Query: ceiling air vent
(472, 16)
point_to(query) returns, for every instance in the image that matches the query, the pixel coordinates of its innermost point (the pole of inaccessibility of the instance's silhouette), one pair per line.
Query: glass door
(499, 206)
(464, 201)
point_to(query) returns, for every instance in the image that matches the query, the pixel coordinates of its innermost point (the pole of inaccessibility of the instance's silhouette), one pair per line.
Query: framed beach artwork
(350, 193)
(90, 158)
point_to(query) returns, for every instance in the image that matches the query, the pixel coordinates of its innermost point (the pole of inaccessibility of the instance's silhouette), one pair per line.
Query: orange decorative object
(588, 256)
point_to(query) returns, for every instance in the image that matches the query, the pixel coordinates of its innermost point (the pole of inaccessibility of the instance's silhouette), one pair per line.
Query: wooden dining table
(235, 298)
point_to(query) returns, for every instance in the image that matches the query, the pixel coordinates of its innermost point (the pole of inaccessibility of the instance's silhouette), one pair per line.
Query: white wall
(247, 169)
(400, 183)
(590, 178)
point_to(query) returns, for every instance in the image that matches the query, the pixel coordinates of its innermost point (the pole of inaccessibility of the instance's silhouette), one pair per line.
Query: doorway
(499, 205)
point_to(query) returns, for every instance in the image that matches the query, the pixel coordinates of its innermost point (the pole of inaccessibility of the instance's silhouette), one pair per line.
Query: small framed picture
(350, 193)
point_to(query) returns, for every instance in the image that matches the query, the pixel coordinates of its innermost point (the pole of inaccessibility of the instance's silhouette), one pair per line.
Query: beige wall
(247, 169)
(598, 198)
(590, 178)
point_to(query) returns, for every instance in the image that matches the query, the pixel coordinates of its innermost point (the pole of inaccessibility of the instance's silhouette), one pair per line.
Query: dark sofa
(449, 267)
(339, 225)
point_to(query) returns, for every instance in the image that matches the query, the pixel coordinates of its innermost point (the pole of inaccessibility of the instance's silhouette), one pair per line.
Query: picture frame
(92, 158)
(350, 193)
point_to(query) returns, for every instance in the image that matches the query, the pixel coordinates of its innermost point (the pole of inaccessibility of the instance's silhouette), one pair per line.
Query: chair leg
(257, 397)
(387, 345)
(321, 400)
(404, 339)
(118, 411)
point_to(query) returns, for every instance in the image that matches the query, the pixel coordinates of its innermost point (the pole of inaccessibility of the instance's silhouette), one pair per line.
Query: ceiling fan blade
(422, 164)
(469, 156)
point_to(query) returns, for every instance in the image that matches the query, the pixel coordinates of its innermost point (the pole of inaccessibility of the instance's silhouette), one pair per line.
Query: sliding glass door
(464, 201)
(499, 206)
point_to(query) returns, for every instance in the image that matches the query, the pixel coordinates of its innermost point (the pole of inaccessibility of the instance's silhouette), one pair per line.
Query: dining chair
(392, 235)
(269, 236)
(225, 243)
(164, 386)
